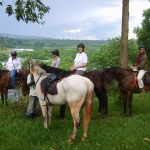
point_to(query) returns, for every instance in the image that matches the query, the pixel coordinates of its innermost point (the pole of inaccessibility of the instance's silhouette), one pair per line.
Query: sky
(78, 19)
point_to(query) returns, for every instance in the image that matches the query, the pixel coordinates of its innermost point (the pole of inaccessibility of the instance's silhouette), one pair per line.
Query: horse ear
(31, 67)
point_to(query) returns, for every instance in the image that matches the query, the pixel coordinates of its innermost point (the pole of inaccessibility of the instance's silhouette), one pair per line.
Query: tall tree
(26, 10)
(124, 34)
(143, 32)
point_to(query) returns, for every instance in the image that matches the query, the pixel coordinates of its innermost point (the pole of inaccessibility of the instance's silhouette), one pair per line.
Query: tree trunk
(124, 34)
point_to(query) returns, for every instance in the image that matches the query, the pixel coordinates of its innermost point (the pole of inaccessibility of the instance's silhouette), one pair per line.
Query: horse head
(109, 75)
(22, 82)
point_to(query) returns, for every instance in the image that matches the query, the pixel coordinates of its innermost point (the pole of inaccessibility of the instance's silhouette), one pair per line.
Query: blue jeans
(12, 77)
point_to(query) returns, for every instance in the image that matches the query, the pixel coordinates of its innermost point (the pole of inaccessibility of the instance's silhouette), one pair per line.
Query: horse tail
(89, 99)
(87, 113)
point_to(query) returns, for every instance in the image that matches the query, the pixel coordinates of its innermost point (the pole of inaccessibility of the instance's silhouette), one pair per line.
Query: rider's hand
(18, 70)
(72, 69)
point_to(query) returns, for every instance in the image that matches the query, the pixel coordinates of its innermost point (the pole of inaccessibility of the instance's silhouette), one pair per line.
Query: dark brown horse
(5, 84)
(99, 87)
(127, 84)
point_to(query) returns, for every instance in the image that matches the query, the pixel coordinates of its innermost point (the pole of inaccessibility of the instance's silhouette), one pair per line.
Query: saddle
(49, 84)
(146, 78)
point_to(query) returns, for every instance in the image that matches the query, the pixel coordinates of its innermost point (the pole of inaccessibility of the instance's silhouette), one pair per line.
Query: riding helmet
(55, 52)
(141, 46)
(81, 45)
(13, 53)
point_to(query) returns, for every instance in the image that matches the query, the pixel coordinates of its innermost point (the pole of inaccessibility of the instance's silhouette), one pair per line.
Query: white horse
(75, 90)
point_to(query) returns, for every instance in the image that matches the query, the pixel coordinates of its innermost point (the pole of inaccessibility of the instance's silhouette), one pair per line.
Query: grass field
(112, 133)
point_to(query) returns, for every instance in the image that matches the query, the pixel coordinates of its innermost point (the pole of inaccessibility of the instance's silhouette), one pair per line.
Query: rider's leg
(36, 106)
(140, 79)
(30, 108)
(12, 76)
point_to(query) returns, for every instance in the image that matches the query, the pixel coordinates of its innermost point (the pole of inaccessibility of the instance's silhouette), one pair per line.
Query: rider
(13, 65)
(56, 58)
(80, 61)
(141, 63)
(55, 63)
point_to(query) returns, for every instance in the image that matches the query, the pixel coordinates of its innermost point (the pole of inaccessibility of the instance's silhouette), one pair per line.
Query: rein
(38, 78)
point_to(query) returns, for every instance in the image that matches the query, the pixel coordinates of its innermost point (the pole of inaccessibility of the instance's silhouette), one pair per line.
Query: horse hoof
(130, 115)
(45, 126)
(71, 140)
(83, 138)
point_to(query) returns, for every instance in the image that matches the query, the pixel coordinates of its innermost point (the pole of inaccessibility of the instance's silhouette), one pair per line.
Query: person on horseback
(80, 61)
(14, 66)
(55, 63)
(56, 59)
(141, 63)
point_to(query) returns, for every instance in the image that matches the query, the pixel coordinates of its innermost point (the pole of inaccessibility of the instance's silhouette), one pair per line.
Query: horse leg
(44, 109)
(124, 96)
(130, 96)
(99, 99)
(120, 97)
(6, 94)
(49, 114)
(2, 97)
(62, 111)
(87, 114)
(75, 108)
(103, 101)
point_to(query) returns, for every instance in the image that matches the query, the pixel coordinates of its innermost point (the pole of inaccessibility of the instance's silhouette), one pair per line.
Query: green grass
(112, 133)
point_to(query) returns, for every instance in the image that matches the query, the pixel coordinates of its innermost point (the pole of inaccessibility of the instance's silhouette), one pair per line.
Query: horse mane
(115, 68)
(39, 70)
(111, 69)
(54, 70)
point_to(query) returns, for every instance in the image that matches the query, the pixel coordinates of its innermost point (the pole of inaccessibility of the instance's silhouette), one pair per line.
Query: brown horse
(5, 84)
(127, 84)
(99, 87)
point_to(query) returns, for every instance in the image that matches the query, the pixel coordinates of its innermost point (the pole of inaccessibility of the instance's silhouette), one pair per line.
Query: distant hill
(15, 36)
(33, 42)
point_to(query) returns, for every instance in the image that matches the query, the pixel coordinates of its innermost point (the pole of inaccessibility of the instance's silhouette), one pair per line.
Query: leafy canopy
(27, 10)
(143, 31)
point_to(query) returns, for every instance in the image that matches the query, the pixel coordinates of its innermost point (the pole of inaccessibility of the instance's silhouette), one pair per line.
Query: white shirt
(13, 64)
(81, 58)
(56, 63)
(32, 88)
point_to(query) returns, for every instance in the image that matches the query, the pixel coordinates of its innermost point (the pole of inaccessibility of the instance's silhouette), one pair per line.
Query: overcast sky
(79, 19)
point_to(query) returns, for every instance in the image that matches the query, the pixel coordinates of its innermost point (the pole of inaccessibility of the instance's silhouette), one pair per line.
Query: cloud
(73, 31)
(86, 19)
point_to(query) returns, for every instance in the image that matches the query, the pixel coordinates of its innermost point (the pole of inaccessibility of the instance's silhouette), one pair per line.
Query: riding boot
(12, 87)
(142, 90)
